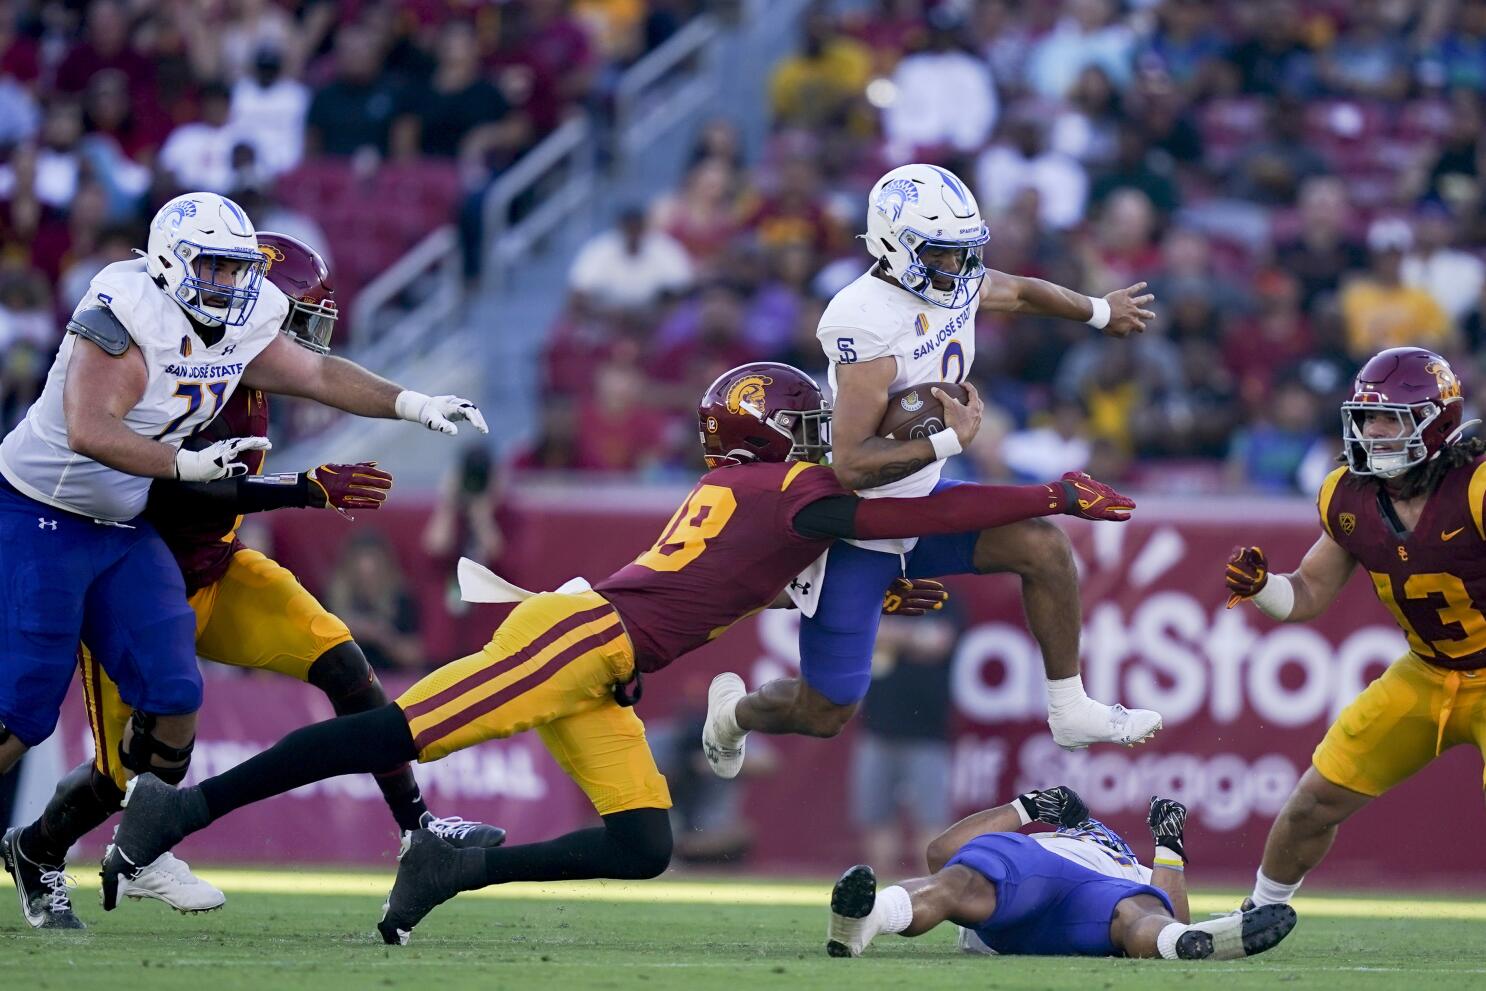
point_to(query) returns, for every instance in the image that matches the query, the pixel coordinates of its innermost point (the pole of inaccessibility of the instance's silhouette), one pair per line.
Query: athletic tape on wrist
(946, 444)
(1100, 318)
(1277, 598)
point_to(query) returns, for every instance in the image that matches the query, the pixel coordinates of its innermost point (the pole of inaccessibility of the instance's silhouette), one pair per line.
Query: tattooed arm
(862, 459)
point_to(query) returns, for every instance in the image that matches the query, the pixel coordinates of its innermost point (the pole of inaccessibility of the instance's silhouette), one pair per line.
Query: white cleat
(1233, 937)
(852, 920)
(724, 751)
(1088, 722)
(170, 880)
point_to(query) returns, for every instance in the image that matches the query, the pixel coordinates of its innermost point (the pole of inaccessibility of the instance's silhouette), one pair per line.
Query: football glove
(913, 597)
(218, 460)
(439, 412)
(1058, 806)
(1168, 818)
(1247, 573)
(343, 487)
(1090, 499)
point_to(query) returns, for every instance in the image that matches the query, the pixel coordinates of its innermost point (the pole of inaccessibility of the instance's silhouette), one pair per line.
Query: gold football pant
(1413, 712)
(258, 616)
(551, 666)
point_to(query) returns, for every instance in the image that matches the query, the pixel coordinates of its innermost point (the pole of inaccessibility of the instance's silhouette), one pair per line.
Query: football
(916, 412)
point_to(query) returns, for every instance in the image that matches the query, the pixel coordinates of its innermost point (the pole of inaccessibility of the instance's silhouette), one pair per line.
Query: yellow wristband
(1173, 864)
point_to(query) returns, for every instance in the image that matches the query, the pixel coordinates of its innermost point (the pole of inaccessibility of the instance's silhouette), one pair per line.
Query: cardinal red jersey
(727, 553)
(1433, 578)
(203, 542)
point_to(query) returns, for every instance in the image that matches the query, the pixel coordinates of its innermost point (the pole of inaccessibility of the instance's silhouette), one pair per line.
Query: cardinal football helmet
(1420, 390)
(194, 239)
(764, 411)
(923, 206)
(301, 273)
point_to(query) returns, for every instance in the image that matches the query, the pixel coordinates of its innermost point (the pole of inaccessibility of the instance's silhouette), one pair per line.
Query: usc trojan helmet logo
(747, 394)
(271, 254)
(1444, 377)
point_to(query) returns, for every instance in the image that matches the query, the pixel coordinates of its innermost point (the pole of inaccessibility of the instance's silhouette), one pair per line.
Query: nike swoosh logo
(1451, 534)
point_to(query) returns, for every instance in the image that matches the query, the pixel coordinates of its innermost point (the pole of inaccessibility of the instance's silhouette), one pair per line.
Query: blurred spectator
(356, 109)
(795, 210)
(555, 447)
(105, 45)
(138, 130)
(1368, 60)
(199, 155)
(1380, 311)
(458, 113)
(633, 266)
(1273, 60)
(1134, 168)
(1454, 277)
(1271, 169)
(1274, 338)
(112, 244)
(467, 521)
(268, 109)
(620, 426)
(545, 62)
(59, 155)
(1087, 34)
(920, 116)
(1060, 443)
(703, 215)
(1122, 248)
(1325, 249)
(368, 591)
(1456, 59)
(1186, 45)
(252, 27)
(1022, 161)
(1268, 454)
(818, 87)
(900, 760)
(1088, 127)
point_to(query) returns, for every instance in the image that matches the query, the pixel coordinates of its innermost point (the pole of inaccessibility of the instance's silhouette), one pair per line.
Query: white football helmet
(203, 253)
(918, 206)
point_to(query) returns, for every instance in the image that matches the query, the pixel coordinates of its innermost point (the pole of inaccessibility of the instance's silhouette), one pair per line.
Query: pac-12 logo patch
(711, 424)
(912, 402)
(1348, 522)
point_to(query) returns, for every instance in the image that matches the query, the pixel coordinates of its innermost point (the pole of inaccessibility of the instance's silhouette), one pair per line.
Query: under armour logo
(229, 349)
(42, 523)
(802, 587)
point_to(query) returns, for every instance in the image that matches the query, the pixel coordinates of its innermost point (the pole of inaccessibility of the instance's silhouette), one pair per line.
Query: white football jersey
(871, 318)
(188, 385)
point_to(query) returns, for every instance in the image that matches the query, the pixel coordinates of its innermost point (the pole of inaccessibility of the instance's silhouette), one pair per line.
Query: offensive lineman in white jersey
(151, 354)
(1079, 891)
(910, 320)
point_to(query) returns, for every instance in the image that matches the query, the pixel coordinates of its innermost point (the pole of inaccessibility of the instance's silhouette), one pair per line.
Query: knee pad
(142, 749)
(346, 678)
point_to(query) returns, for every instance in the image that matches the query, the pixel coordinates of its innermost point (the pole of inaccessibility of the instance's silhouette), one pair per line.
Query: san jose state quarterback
(910, 320)
(152, 354)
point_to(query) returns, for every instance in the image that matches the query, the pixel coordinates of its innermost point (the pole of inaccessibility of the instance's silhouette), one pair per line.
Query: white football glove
(439, 412)
(217, 461)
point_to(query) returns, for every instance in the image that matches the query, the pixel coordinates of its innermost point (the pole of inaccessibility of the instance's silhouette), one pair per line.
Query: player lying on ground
(249, 613)
(1079, 891)
(563, 664)
(1410, 507)
(909, 321)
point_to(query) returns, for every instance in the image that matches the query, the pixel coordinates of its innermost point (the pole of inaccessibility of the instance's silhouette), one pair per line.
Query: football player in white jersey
(910, 320)
(1076, 891)
(152, 353)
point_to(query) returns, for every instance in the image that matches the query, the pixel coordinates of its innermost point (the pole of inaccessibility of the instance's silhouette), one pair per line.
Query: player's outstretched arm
(1297, 597)
(863, 460)
(1117, 314)
(1167, 819)
(1060, 806)
(330, 486)
(289, 370)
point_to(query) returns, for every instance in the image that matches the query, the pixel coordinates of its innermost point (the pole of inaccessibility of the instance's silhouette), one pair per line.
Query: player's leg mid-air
(243, 609)
(1405, 456)
(1076, 891)
(899, 339)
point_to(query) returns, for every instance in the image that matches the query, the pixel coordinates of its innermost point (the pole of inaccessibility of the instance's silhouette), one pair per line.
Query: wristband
(1023, 806)
(946, 444)
(409, 405)
(1167, 857)
(1100, 318)
(1276, 599)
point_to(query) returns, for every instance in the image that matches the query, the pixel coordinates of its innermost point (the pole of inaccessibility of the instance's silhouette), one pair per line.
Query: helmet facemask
(310, 325)
(209, 291)
(809, 430)
(1387, 457)
(919, 278)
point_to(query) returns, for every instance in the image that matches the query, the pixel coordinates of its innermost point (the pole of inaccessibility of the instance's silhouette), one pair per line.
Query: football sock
(1166, 940)
(401, 793)
(631, 845)
(1268, 892)
(84, 800)
(365, 743)
(894, 909)
(1063, 692)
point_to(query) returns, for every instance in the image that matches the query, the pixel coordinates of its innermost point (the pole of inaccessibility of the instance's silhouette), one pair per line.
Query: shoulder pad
(99, 325)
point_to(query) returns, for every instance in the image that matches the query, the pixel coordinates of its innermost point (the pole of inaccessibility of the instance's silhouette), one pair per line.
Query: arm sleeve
(956, 509)
(248, 494)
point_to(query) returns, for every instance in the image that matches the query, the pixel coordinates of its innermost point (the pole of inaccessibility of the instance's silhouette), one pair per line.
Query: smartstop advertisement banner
(1245, 701)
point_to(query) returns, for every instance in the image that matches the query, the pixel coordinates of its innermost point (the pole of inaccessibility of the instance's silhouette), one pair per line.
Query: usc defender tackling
(563, 663)
(1409, 506)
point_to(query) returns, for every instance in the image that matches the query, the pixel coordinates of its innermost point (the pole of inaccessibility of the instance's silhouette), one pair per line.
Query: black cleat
(1235, 936)
(41, 888)
(152, 823)
(852, 900)
(427, 876)
(463, 834)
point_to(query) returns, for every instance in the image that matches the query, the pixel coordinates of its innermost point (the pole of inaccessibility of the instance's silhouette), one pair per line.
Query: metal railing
(388, 329)
(666, 87)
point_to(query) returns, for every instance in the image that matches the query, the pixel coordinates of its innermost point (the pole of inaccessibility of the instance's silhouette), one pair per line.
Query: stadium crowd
(1298, 180)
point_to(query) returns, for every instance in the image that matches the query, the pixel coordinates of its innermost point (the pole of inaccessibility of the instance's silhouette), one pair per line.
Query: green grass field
(292, 930)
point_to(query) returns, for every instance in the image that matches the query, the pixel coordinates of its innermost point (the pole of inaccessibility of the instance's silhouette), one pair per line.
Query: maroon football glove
(1246, 575)
(1090, 499)
(346, 487)
(913, 597)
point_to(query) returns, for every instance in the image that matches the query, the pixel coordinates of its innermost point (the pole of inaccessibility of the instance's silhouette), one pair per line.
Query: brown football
(916, 412)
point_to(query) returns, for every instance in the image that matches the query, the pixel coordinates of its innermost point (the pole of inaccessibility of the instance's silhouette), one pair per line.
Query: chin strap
(1458, 433)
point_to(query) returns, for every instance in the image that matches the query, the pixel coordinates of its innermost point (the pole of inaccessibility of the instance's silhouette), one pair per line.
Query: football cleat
(41, 888)
(149, 826)
(463, 834)
(852, 901)
(1235, 936)
(724, 751)
(170, 880)
(1088, 722)
(427, 876)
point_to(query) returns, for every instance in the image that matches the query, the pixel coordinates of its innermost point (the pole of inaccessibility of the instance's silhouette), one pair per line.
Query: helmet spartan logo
(1445, 379)
(895, 196)
(1348, 522)
(748, 394)
(271, 255)
(178, 214)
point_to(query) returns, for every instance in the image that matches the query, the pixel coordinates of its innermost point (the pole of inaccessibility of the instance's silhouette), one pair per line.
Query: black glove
(1058, 806)
(1167, 818)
